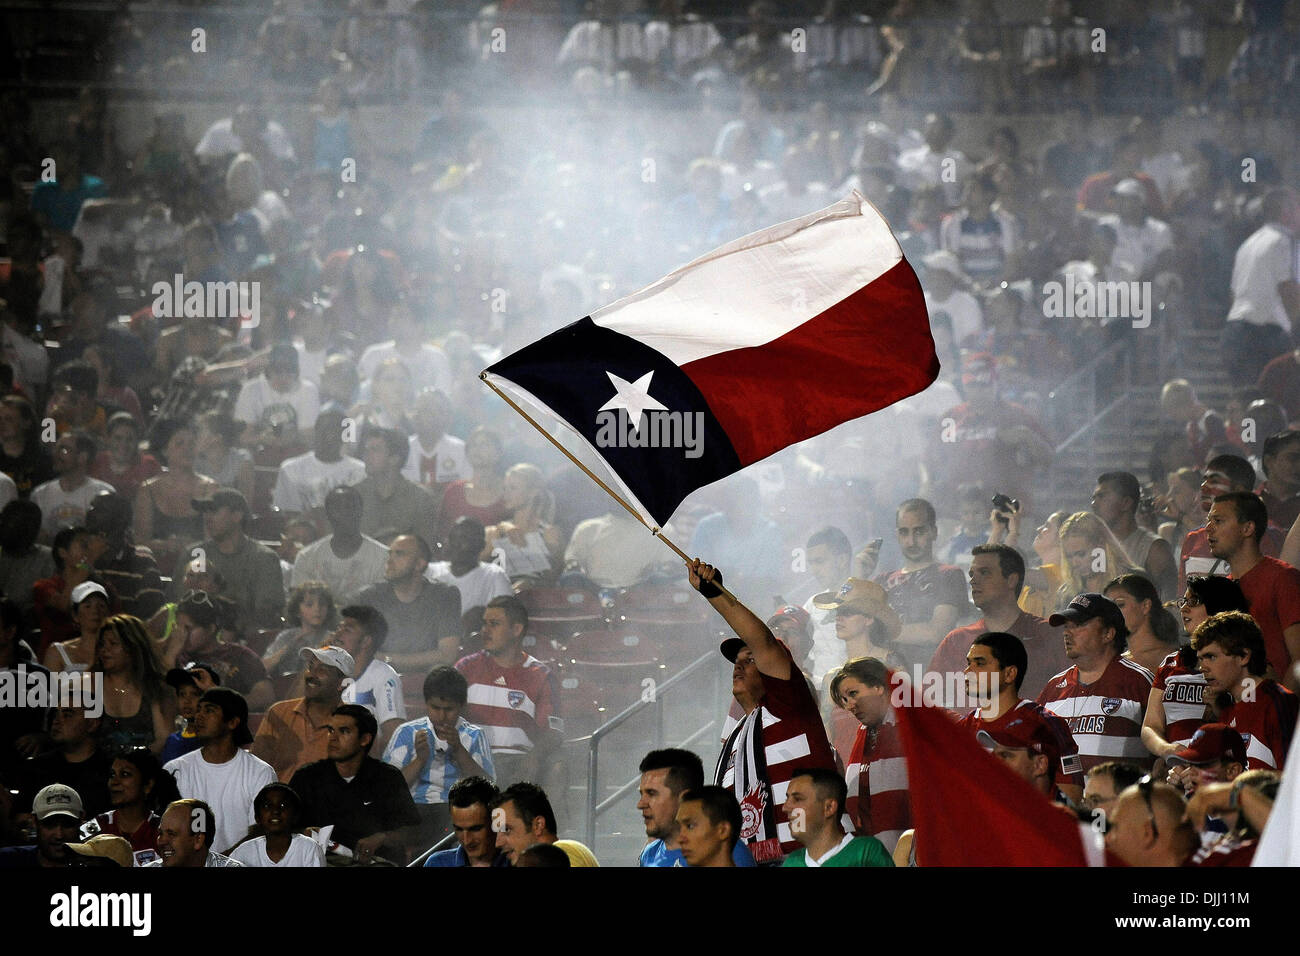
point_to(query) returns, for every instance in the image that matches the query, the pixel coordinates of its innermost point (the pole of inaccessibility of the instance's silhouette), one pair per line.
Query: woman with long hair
(1090, 556)
(1177, 706)
(139, 708)
(1152, 630)
(23, 456)
(1038, 597)
(139, 789)
(528, 542)
(165, 518)
(311, 614)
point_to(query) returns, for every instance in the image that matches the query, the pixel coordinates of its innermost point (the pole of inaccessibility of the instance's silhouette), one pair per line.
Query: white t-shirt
(1267, 257)
(303, 851)
(379, 690)
(477, 587)
(220, 140)
(345, 576)
(449, 461)
(257, 398)
(533, 558)
(305, 480)
(228, 788)
(64, 509)
(28, 359)
(310, 364)
(8, 490)
(964, 310)
(429, 365)
(1137, 247)
(828, 650)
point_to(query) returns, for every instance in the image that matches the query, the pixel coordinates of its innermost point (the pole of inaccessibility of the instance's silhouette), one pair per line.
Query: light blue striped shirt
(439, 772)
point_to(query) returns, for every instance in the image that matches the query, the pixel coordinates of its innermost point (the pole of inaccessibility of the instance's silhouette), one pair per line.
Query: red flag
(970, 810)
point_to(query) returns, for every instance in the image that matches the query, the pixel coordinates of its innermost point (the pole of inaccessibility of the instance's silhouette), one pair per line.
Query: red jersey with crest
(1104, 717)
(512, 704)
(876, 775)
(1069, 772)
(783, 733)
(1184, 699)
(1265, 724)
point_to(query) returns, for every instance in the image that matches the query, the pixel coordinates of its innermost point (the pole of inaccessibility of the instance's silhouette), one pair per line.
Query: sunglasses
(1186, 602)
(1144, 788)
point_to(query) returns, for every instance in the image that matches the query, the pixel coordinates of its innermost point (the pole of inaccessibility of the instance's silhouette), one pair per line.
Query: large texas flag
(766, 341)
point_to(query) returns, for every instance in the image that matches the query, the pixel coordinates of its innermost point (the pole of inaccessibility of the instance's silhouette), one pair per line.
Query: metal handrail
(442, 844)
(635, 782)
(594, 738)
(1070, 380)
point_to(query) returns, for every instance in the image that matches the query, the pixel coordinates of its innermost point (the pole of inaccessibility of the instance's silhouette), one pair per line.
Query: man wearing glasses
(1149, 826)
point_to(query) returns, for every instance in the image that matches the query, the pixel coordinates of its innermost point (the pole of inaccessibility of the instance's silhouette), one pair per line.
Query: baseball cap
(331, 656)
(1025, 732)
(1129, 187)
(105, 846)
(85, 589)
(221, 498)
(1088, 605)
(1211, 744)
(179, 677)
(793, 612)
(232, 704)
(57, 799)
(941, 260)
(865, 596)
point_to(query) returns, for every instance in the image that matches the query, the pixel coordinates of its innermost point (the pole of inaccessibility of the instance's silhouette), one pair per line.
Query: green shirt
(860, 851)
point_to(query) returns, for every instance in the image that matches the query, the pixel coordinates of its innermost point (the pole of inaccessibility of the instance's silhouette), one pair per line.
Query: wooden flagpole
(587, 471)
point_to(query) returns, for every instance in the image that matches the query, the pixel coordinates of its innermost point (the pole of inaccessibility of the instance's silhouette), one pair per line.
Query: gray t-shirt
(416, 627)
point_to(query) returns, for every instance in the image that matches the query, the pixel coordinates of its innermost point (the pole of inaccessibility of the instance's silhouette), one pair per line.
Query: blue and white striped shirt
(439, 773)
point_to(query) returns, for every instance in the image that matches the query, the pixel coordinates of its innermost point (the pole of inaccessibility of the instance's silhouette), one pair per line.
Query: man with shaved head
(1149, 826)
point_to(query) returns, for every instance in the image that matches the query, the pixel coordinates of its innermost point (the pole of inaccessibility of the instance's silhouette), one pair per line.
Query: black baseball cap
(1088, 605)
(232, 704)
(179, 677)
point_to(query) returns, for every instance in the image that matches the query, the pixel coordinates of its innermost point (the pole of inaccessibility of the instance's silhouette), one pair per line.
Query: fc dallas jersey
(1105, 717)
(876, 774)
(1184, 699)
(511, 704)
(1265, 724)
(783, 733)
(1069, 771)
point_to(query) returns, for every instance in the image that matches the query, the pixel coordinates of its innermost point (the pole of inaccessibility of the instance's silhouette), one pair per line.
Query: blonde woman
(526, 544)
(1042, 583)
(1091, 556)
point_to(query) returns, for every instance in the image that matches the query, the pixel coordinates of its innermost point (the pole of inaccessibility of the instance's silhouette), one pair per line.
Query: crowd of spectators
(252, 486)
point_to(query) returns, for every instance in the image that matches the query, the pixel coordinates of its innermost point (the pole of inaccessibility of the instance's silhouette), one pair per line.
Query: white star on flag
(634, 397)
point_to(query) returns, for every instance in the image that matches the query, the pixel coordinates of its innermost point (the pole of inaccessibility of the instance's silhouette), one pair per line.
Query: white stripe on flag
(1279, 844)
(887, 774)
(785, 275)
(787, 750)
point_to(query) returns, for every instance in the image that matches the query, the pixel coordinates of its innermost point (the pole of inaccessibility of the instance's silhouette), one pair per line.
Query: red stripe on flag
(970, 810)
(866, 352)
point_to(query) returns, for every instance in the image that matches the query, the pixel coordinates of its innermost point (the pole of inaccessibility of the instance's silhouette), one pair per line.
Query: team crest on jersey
(1109, 705)
(515, 698)
(751, 811)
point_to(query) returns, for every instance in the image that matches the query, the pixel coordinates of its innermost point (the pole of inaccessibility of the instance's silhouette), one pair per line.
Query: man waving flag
(766, 341)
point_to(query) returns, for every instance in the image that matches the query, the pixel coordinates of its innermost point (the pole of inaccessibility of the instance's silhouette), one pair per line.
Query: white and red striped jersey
(876, 775)
(1184, 699)
(511, 704)
(1104, 717)
(782, 734)
(1266, 724)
